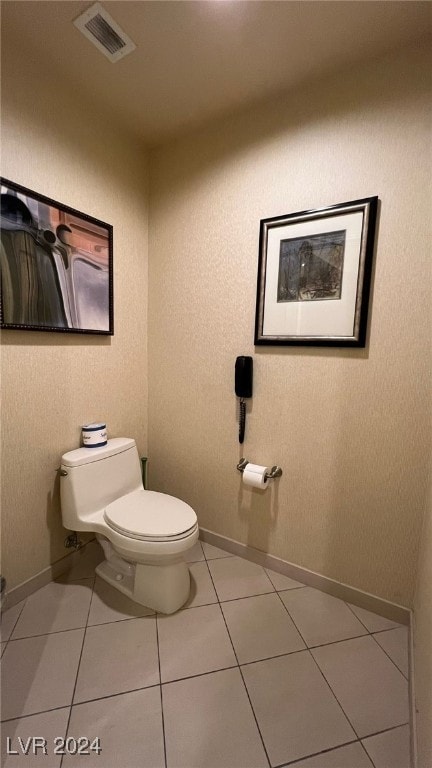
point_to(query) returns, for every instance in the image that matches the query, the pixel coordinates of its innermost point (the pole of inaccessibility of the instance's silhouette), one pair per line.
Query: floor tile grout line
(79, 664)
(366, 632)
(335, 642)
(220, 557)
(332, 691)
(212, 581)
(384, 730)
(160, 692)
(126, 618)
(79, 703)
(378, 733)
(347, 639)
(367, 753)
(114, 695)
(376, 631)
(389, 629)
(245, 597)
(285, 589)
(255, 717)
(231, 666)
(230, 600)
(83, 626)
(316, 754)
(42, 634)
(208, 559)
(169, 682)
(358, 619)
(389, 657)
(240, 671)
(319, 668)
(286, 608)
(255, 661)
(46, 634)
(151, 615)
(270, 658)
(199, 674)
(142, 616)
(14, 626)
(290, 589)
(33, 714)
(190, 607)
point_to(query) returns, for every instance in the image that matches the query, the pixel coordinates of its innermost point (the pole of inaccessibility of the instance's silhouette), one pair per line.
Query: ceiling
(198, 60)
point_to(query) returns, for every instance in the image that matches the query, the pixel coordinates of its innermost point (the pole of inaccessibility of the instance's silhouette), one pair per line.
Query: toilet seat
(151, 516)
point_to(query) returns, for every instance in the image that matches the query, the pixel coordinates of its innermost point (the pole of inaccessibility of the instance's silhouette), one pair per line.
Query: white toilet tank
(95, 477)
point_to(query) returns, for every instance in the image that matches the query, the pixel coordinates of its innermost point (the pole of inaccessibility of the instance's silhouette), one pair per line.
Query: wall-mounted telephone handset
(243, 388)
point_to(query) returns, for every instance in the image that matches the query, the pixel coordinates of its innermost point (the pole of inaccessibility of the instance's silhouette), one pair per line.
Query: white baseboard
(352, 595)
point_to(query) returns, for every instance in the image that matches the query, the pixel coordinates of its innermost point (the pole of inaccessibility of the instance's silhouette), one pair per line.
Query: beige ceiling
(197, 60)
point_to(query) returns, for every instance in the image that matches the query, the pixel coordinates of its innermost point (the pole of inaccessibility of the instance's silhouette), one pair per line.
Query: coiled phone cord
(242, 420)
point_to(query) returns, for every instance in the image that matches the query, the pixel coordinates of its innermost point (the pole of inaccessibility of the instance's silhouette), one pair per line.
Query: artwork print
(315, 275)
(56, 265)
(310, 268)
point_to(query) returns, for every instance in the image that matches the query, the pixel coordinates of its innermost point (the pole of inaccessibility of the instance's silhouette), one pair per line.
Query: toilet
(144, 534)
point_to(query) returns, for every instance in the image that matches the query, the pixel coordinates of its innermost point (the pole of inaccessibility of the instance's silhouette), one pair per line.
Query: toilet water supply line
(72, 541)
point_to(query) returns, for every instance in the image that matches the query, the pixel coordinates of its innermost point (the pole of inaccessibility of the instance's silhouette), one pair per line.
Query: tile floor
(256, 671)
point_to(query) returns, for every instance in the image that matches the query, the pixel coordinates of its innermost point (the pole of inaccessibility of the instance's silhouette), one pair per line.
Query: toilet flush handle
(62, 472)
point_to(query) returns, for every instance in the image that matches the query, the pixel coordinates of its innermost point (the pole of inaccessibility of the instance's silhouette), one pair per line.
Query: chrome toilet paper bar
(274, 472)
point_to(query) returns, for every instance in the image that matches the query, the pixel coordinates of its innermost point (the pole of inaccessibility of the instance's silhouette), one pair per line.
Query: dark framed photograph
(56, 265)
(314, 276)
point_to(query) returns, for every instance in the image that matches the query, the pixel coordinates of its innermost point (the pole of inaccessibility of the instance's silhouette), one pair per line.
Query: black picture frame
(56, 266)
(314, 276)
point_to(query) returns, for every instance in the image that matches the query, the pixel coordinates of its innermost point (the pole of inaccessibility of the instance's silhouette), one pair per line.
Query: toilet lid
(150, 516)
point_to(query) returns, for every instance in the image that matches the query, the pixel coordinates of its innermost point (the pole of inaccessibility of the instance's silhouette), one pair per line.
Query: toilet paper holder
(274, 472)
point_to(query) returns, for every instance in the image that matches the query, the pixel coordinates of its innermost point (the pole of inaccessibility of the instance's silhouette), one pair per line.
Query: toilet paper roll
(255, 475)
(94, 435)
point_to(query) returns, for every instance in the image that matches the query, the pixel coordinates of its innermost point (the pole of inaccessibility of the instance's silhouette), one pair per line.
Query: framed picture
(56, 266)
(314, 276)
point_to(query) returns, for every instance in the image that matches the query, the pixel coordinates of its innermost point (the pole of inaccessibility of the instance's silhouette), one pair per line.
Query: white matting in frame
(314, 276)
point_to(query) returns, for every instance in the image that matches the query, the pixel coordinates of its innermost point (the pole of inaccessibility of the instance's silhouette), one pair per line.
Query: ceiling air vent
(99, 27)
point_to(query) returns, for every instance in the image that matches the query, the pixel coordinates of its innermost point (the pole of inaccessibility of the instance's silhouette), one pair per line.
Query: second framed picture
(314, 276)
(56, 266)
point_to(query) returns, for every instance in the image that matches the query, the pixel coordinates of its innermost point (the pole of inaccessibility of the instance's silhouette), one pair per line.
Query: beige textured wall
(349, 428)
(423, 646)
(52, 383)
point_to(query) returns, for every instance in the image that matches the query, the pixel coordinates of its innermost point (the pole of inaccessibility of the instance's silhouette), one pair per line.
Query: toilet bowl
(144, 534)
